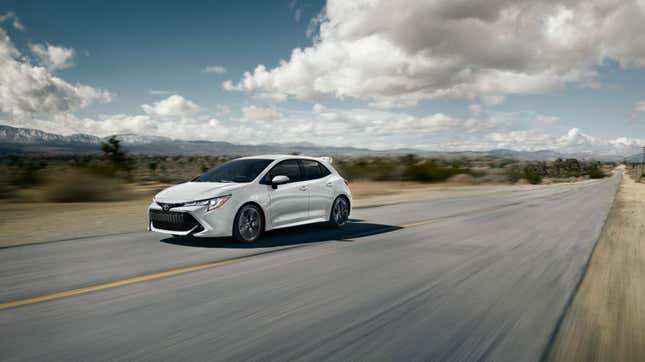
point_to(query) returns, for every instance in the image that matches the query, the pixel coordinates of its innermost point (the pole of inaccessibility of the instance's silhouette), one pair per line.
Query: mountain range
(15, 140)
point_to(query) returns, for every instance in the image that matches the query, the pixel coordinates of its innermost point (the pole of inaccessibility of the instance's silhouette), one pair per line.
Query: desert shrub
(27, 172)
(403, 168)
(526, 172)
(370, 168)
(532, 176)
(595, 172)
(80, 185)
(119, 160)
(430, 171)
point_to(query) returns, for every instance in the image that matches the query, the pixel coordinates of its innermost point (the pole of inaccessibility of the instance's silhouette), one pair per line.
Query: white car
(244, 197)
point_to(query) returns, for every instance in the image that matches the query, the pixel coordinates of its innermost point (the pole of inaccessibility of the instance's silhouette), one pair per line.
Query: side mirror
(279, 180)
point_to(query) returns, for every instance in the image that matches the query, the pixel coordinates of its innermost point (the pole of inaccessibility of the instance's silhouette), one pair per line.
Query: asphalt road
(486, 277)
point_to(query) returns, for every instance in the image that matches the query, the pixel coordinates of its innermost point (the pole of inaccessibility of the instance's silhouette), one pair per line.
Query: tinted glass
(324, 171)
(289, 168)
(311, 169)
(235, 171)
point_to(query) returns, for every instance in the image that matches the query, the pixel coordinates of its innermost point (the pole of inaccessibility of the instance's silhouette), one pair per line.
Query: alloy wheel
(249, 223)
(340, 212)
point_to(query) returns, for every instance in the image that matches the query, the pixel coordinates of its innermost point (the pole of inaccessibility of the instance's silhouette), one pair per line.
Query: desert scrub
(403, 168)
(527, 172)
(81, 185)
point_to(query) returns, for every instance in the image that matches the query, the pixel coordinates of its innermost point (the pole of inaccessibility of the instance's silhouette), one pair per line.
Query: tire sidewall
(332, 220)
(236, 233)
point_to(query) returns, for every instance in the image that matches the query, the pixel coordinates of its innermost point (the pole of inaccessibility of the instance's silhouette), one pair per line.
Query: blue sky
(131, 47)
(433, 75)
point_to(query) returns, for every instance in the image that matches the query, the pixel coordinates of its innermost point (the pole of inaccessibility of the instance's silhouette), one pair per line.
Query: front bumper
(214, 223)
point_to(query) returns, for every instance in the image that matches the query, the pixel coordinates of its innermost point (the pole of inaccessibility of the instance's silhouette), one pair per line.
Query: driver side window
(289, 168)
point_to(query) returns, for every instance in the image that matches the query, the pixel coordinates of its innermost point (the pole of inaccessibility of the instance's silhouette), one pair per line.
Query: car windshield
(235, 171)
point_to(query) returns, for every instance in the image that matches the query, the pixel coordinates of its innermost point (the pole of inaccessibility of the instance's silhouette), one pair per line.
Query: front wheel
(248, 224)
(339, 212)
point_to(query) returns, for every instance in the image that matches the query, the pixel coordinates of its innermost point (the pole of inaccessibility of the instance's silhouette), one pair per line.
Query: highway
(484, 277)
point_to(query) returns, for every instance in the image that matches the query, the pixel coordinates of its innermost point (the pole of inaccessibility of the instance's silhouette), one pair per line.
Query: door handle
(304, 188)
(330, 184)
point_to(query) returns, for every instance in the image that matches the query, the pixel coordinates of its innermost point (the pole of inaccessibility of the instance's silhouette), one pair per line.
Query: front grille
(168, 205)
(173, 221)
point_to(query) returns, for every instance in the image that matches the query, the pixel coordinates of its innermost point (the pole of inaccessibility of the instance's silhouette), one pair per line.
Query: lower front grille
(173, 221)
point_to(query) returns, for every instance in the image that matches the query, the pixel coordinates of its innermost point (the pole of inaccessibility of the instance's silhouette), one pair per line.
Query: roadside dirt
(32, 222)
(606, 321)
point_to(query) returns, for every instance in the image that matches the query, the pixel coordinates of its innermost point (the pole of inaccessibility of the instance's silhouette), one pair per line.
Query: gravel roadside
(606, 321)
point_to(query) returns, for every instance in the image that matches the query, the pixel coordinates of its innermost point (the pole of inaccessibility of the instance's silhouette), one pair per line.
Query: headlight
(211, 203)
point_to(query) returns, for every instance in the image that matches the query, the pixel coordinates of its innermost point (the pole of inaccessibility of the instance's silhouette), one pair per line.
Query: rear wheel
(248, 224)
(339, 212)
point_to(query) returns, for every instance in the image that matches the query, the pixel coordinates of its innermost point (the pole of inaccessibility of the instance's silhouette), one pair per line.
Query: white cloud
(526, 140)
(256, 113)
(639, 107)
(576, 139)
(493, 100)
(15, 22)
(392, 53)
(475, 108)
(159, 92)
(318, 108)
(53, 57)
(627, 142)
(215, 69)
(271, 97)
(173, 107)
(360, 127)
(546, 119)
(26, 90)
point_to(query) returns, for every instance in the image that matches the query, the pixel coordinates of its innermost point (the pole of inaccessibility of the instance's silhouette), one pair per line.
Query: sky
(567, 75)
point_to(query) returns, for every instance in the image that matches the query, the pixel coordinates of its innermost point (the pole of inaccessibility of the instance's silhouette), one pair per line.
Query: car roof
(282, 157)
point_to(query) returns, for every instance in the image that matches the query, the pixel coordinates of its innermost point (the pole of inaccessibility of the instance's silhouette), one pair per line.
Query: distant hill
(31, 141)
(635, 158)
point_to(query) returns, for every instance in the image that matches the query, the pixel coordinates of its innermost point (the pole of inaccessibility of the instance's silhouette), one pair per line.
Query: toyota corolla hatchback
(246, 196)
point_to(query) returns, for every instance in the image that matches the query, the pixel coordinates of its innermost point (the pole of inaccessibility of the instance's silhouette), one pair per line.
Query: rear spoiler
(329, 160)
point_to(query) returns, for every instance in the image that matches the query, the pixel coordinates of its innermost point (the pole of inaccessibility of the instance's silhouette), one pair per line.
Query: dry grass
(80, 186)
(363, 189)
(30, 222)
(606, 321)
(22, 223)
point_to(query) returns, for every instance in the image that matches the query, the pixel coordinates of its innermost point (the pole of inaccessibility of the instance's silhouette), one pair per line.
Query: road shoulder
(606, 320)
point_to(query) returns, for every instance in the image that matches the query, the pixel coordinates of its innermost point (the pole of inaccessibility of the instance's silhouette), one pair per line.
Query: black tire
(339, 214)
(249, 224)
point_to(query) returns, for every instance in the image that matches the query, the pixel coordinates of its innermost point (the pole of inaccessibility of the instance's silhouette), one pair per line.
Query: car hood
(192, 191)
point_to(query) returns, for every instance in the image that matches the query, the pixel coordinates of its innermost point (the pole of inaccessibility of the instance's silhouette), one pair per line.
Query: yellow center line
(169, 273)
(418, 223)
(118, 283)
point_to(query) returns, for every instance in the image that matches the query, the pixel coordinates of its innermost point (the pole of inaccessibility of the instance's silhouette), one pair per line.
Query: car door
(321, 190)
(289, 203)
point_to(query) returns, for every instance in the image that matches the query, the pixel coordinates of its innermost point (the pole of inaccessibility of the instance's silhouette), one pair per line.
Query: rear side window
(289, 168)
(313, 169)
(324, 171)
